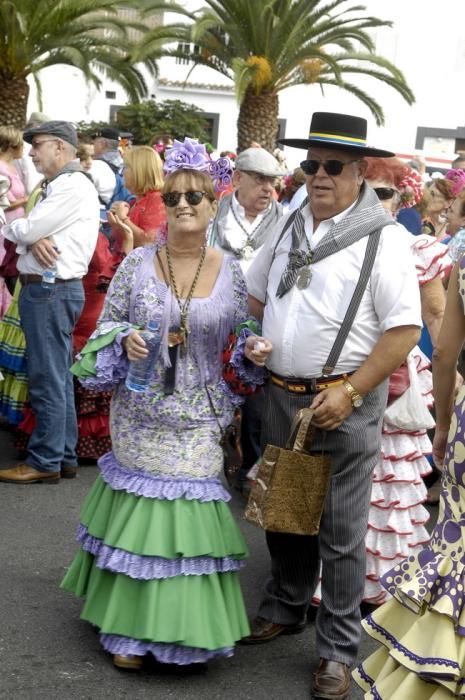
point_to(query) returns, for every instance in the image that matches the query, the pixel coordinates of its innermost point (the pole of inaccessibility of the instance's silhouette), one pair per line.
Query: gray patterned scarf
(367, 216)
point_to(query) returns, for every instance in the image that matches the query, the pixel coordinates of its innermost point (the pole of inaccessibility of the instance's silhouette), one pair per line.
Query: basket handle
(302, 431)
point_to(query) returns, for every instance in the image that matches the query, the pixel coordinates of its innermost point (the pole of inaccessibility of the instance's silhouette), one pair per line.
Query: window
(110, 94)
(213, 122)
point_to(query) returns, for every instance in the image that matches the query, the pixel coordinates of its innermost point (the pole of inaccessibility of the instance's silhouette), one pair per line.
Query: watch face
(357, 402)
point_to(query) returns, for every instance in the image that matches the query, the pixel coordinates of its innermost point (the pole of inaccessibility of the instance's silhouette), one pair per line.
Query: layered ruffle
(164, 653)
(397, 517)
(142, 484)
(158, 566)
(421, 656)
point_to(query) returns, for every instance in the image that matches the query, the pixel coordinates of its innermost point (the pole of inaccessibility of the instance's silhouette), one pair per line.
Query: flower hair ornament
(457, 178)
(410, 188)
(192, 155)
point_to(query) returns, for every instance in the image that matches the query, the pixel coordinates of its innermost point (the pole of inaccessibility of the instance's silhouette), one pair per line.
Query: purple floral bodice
(152, 431)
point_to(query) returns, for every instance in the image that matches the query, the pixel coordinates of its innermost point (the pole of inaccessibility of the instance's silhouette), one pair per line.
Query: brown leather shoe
(265, 631)
(128, 662)
(25, 474)
(331, 681)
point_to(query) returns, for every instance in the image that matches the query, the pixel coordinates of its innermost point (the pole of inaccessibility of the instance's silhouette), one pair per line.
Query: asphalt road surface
(47, 652)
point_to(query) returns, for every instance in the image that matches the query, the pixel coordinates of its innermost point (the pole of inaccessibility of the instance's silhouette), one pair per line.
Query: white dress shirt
(304, 323)
(69, 213)
(104, 179)
(236, 236)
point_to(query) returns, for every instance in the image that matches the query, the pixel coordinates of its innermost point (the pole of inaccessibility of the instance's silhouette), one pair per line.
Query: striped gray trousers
(354, 449)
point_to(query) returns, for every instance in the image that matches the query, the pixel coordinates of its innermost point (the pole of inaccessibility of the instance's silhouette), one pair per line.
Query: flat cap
(258, 160)
(107, 133)
(62, 130)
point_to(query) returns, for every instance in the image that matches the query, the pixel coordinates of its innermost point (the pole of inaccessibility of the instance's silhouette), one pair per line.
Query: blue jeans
(48, 317)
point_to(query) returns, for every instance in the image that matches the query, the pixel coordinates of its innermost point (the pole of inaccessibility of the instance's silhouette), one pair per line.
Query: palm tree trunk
(258, 120)
(14, 93)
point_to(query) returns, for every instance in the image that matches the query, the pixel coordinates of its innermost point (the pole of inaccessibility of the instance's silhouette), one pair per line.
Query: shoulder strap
(365, 272)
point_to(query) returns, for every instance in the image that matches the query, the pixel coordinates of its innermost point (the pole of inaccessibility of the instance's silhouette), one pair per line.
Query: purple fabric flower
(221, 171)
(190, 155)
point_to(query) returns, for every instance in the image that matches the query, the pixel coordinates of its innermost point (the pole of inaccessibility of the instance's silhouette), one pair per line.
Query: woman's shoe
(129, 662)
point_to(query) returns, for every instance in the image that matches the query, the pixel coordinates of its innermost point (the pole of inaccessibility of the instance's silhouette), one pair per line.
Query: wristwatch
(355, 397)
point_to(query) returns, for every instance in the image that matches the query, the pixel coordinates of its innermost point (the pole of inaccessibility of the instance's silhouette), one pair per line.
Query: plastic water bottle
(140, 371)
(49, 275)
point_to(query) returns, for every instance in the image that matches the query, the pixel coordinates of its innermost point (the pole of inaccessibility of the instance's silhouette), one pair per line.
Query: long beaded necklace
(179, 336)
(247, 250)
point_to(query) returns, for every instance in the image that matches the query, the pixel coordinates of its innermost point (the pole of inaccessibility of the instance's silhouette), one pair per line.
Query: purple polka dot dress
(422, 628)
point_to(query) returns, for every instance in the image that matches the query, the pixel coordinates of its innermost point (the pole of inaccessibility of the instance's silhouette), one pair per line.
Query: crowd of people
(328, 287)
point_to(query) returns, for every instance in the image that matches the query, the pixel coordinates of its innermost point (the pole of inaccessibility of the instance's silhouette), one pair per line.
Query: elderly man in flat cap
(338, 294)
(59, 234)
(243, 224)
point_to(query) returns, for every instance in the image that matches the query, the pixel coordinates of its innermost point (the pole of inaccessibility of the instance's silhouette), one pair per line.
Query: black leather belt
(30, 279)
(307, 386)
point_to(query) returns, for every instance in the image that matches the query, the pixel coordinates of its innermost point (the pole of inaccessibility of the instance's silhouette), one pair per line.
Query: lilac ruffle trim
(142, 484)
(164, 653)
(148, 568)
(246, 370)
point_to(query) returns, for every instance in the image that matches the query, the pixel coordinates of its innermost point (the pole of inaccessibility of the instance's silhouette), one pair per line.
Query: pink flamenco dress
(421, 628)
(397, 516)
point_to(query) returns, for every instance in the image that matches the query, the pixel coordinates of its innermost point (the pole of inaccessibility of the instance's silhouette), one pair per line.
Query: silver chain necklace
(247, 249)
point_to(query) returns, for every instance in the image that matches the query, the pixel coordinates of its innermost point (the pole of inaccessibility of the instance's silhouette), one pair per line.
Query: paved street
(47, 652)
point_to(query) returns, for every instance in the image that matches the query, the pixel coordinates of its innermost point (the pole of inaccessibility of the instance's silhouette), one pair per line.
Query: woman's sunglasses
(384, 193)
(331, 167)
(192, 197)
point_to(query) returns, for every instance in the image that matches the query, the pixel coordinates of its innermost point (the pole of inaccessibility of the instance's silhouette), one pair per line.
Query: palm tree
(86, 34)
(265, 46)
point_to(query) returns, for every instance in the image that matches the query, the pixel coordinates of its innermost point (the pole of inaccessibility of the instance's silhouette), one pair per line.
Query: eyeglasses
(384, 193)
(331, 167)
(262, 179)
(192, 197)
(38, 144)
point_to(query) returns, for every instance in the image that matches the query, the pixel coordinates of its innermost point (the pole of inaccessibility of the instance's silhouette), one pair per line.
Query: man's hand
(44, 252)
(331, 407)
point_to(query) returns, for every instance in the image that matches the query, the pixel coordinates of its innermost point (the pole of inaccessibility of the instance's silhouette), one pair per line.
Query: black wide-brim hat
(342, 131)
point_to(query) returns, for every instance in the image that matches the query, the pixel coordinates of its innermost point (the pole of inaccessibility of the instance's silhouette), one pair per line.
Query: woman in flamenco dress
(160, 551)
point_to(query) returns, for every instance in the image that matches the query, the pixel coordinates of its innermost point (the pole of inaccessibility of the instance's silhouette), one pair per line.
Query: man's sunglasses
(384, 193)
(331, 167)
(192, 197)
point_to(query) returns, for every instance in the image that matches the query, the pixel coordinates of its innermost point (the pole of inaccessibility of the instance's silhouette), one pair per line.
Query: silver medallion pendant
(304, 277)
(247, 252)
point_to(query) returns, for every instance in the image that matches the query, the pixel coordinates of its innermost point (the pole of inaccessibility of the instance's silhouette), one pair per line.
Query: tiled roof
(164, 82)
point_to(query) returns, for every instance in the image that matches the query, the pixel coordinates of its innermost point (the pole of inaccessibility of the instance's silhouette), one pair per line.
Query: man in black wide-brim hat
(340, 268)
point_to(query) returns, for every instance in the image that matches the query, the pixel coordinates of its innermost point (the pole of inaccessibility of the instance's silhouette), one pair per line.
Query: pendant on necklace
(176, 336)
(304, 277)
(247, 252)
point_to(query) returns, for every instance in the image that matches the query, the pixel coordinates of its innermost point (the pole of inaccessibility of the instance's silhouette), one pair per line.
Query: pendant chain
(249, 235)
(184, 307)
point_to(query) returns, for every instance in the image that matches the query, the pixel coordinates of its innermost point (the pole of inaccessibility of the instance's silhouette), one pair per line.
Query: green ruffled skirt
(160, 576)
